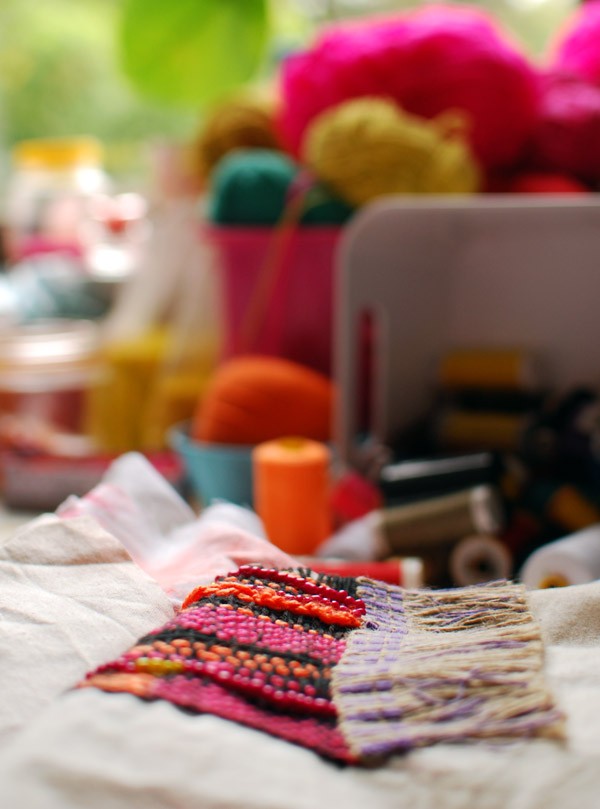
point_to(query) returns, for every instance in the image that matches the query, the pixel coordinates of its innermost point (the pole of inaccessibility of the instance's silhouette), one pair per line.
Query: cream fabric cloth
(70, 599)
(89, 749)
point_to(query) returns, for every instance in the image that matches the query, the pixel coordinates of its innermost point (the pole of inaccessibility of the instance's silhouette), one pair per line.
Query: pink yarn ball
(578, 49)
(568, 131)
(428, 61)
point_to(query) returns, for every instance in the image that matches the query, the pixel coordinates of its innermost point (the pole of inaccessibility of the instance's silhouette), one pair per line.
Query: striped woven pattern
(354, 669)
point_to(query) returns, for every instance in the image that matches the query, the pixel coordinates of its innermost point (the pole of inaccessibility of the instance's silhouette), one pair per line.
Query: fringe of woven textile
(442, 666)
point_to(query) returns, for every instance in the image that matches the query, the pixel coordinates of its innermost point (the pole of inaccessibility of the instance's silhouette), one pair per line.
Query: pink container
(278, 291)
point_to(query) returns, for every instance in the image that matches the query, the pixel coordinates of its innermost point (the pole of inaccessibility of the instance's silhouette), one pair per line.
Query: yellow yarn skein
(369, 147)
(242, 123)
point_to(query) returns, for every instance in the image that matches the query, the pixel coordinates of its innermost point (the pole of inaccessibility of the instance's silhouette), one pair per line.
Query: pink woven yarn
(578, 48)
(428, 61)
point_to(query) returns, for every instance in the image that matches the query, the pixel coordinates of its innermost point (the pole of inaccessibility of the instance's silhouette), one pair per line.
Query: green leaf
(192, 51)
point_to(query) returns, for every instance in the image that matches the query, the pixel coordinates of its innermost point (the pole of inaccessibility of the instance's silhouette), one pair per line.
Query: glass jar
(47, 374)
(49, 190)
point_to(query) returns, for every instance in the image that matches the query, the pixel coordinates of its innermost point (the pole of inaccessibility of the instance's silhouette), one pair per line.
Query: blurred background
(67, 66)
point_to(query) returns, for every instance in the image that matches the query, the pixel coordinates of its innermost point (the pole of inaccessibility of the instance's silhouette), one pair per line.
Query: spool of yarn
(368, 147)
(254, 187)
(431, 476)
(478, 559)
(489, 369)
(568, 128)
(408, 572)
(250, 187)
(563, 505)
(413, 529)
(243, 123)
(291, 492)
(254, 399)
(576, 49)
(572, 560)
(456, 429)
(427, 61)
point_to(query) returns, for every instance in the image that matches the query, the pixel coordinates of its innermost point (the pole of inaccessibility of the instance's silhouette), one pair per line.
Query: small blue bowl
(215, 471)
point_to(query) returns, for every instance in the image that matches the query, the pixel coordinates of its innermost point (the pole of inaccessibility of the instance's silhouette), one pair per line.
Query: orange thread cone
(291, 492)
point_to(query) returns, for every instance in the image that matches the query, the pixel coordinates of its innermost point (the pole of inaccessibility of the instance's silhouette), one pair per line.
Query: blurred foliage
(192, 52)
(59, 75)
(59, 59)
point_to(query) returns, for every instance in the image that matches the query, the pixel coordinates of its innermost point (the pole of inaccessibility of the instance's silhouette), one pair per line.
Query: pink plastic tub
(277, 291)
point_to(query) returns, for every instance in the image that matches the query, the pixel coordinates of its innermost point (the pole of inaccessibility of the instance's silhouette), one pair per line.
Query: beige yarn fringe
(453, 665)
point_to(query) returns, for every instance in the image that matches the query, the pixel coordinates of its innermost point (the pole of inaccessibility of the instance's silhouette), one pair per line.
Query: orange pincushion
(257, 398)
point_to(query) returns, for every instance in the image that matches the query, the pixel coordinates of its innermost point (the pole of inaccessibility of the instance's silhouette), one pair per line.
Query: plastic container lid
(48, 355)
(57, 153)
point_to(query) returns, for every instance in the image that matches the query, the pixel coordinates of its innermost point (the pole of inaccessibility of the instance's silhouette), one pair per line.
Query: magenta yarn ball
(545, 183)
(577, 50)
(428, 61)
(567, 135)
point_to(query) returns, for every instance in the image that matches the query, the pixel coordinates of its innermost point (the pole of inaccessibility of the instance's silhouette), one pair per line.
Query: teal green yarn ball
(250, 187)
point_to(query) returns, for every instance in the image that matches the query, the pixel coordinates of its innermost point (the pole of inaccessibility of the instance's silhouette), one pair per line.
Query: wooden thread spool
(489, 369)
(291, 492)
(414, 528)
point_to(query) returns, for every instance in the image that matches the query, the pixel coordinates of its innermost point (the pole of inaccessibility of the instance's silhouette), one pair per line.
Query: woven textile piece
(257, 647)
(351, 668)
(445, 665)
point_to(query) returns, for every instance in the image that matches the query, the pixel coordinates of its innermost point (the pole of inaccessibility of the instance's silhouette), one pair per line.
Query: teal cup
(215, 471)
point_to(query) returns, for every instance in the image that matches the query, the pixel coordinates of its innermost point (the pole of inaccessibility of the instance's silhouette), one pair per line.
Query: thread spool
(564, 505)
(291, 492)
(407, 572)
(412, 529)
(466, 429)
(575, 559)
(478, 559)
(490, 369)
(431, 476)
(497, 401)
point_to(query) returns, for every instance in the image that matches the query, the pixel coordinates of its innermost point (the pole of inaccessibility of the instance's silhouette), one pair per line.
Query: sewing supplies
(254, 399)
(291, 492)
(405, 572)
(306, 657)
(576, 47)
(419, 528)
(424, 61)
(478, 559)
(545, 182)
(368, 147)
(567, 126)
(352, 496)
(421, 477)
(561, 504)
(412, 528)
(496, 369)
(249, 187)
(455, 429)
(240, 123)
(575, 559)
